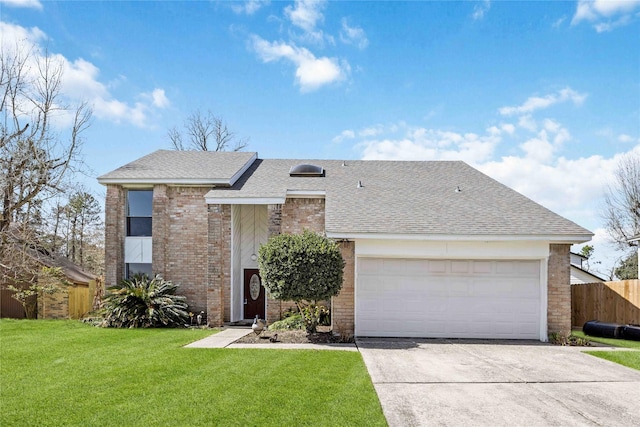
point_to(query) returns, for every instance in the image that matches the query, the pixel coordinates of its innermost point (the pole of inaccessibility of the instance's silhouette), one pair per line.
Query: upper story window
(139, 212)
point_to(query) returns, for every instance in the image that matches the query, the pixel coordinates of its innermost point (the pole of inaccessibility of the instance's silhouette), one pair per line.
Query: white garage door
(448, 298)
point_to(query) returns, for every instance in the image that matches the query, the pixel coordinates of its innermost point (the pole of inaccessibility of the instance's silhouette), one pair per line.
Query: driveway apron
(491, 383)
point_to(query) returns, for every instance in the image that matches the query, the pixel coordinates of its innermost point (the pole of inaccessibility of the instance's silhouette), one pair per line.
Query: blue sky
(543, 96)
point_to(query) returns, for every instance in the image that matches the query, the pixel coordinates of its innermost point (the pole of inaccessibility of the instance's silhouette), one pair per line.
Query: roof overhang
(139, 182)
(290, 194)
(214, 182)
(245, 200)
(566, 239)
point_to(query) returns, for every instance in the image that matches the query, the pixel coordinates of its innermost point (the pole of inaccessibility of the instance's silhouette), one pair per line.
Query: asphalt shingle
(437, 198)
(171, 166)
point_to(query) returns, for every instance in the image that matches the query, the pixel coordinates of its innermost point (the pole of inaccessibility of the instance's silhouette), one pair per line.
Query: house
(432, 248)
(71, 302)
(579, 274)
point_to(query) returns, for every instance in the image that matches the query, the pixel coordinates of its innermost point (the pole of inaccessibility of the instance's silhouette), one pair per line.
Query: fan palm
(141, 302)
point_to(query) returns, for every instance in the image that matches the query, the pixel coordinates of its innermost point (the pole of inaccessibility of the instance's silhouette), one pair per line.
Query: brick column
(274, 224)
(219, 262)
(559, 290)
(343, 305)
(114, 229)
(159, 233)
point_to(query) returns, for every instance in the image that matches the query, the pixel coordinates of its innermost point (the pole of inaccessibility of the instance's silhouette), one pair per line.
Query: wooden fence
(78, 301)
(617, 302)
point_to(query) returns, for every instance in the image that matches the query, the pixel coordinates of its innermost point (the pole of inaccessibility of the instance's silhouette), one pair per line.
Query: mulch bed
(323, 336)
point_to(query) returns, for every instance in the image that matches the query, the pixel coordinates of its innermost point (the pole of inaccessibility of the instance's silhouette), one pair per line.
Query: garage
(436, 298)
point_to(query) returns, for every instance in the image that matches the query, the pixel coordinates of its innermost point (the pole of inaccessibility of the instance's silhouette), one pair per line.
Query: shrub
(288, 323)
(141, 302)
(303, 268)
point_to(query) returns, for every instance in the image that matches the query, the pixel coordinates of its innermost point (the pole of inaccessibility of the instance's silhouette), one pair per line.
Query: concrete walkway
(227, 337)
(222, 339)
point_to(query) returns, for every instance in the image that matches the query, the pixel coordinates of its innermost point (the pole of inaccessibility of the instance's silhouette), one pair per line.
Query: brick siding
(302, 214)
(180, 241)
(219, 264)
(559, 289)
(114, 229)
(343, 305)
(295, 216)
(54, 306)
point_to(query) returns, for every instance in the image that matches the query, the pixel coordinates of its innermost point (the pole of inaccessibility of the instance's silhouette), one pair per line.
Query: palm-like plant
(142, 302)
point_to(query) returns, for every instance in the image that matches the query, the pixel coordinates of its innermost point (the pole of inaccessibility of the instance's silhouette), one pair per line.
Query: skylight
(306, 170)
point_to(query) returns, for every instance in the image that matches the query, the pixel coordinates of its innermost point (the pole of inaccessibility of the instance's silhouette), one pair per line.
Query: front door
(253, 294)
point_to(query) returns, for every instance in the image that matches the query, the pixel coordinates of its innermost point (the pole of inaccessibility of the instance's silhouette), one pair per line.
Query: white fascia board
(242, 170)
(245, 200)
(581, 238)
(299, 194)
(136, 182)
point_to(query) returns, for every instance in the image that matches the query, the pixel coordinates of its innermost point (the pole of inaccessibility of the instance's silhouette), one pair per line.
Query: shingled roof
(435, 198)
(411, 199)
(182, 167)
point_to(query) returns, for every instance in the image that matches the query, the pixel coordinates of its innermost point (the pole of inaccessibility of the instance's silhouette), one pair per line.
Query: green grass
(59, 373)
(630, 359)
(609, 341)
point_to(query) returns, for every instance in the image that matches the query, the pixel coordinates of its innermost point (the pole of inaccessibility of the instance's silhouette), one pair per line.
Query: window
(134, 268)
(139, 209)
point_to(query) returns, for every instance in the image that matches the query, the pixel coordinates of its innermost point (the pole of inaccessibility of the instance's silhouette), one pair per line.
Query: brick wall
(54, 306)
(180, 241)
(559, 289)
(114, 229)
(160, 229)
(342, 306)
(219, 264)
(295, 216)
(302, 214)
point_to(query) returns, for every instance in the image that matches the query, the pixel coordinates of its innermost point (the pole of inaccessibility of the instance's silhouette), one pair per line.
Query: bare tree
(36, 159)
(205, 132)
(622, 201)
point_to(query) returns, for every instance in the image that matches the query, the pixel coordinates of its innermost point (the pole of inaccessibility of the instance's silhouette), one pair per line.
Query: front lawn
(56, 373)
(609, 341)
(626, 358)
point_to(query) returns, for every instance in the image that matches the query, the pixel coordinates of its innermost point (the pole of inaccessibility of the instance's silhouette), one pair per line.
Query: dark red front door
(253, 294)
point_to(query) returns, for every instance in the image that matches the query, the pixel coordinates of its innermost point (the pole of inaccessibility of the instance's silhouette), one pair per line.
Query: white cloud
(371, 131)
(311, 72)
(345, 134)
(430, 144)
(605, 15)
(81, 82)
(159, 98)
(480, 9)
(306, 15)
(249, 7)
(30, 4)
(353, 35)
(558, 23)
(538, 103)
(627, 138)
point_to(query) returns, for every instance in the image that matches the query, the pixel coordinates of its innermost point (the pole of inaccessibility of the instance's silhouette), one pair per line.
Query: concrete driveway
(514, 383)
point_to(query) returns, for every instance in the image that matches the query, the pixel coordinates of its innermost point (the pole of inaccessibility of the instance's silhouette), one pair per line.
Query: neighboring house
(579, 274)
(432, 248)
(72, 302)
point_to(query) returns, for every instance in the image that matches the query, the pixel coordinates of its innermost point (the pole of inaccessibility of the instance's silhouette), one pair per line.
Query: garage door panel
(448, 298)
